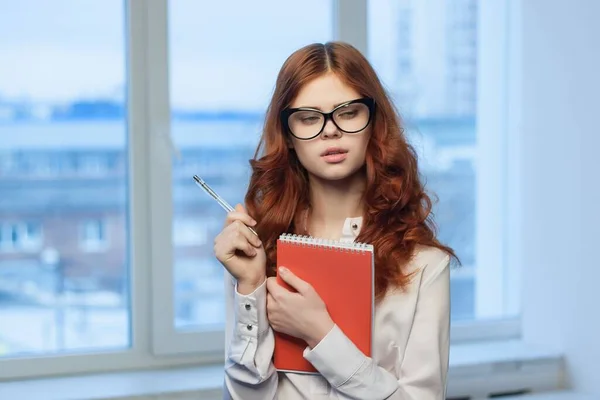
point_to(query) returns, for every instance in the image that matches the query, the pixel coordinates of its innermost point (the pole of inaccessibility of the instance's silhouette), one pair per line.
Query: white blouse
(410, 354)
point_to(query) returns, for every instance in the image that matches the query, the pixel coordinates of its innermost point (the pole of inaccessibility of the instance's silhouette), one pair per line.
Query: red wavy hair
(397, 215)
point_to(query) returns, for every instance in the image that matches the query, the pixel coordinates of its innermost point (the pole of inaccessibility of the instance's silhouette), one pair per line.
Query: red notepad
(343, 275)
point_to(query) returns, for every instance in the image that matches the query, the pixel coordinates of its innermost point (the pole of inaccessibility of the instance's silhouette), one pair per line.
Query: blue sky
(224, 54)
(57, 50)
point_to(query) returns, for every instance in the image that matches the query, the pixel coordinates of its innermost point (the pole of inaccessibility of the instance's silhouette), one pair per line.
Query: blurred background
(107, 109)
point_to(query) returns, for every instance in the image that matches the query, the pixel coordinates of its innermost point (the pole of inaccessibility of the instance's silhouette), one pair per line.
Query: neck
(332, 202)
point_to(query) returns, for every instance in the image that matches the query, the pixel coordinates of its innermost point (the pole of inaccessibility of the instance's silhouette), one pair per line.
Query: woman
(333, 163)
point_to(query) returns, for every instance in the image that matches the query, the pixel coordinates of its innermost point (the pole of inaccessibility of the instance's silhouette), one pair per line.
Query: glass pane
(426, 55)
(222, 76)
(63, 163)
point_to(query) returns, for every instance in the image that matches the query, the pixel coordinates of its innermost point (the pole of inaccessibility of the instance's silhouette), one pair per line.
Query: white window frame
(153, 335)
(498, 283)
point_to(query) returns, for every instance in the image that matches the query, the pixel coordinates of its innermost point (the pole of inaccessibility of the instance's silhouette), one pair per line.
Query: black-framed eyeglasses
(306, 123)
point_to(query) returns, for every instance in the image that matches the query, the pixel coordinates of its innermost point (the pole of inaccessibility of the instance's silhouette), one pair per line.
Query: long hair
(397, 216)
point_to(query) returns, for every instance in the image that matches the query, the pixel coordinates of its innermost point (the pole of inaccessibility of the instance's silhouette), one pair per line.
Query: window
(94, 164)
(20, 236)
(105, 241)
(93, 235)
(459, 136)
(219, 94)
(190, 231)
(61, 97)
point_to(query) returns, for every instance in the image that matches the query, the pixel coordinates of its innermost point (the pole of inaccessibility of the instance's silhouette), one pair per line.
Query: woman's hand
(241, 251)
(302, 314)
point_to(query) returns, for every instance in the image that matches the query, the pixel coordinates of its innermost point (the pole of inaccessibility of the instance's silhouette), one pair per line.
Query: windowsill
(472, 361)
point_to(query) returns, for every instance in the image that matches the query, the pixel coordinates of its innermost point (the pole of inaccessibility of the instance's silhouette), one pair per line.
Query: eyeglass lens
(352, 118)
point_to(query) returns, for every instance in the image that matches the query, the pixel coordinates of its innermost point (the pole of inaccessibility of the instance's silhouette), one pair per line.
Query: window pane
(63, 165)
(222, 74)
(426, 55)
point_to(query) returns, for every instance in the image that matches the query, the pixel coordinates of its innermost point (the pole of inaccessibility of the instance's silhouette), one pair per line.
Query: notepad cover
(343, 276)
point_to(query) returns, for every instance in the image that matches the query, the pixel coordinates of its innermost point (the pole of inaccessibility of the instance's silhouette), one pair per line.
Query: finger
(270, 303)
(294, 281)
(233, 240)
(225, 251)
(272, 286)
(277, 291)
(238, 228)
(241, 243)
(243, 217)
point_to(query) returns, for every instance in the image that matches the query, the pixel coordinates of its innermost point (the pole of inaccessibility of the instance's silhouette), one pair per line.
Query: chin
(333, 177)
(338, 172)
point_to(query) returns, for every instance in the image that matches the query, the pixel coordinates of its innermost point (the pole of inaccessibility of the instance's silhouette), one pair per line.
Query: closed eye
(347, 114)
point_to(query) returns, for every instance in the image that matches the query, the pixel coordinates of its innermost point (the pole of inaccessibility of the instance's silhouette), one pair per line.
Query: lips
(333, 151)
(334, 155)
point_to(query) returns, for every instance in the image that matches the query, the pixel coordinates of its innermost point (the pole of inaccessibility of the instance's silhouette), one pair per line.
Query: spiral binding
(309, 241)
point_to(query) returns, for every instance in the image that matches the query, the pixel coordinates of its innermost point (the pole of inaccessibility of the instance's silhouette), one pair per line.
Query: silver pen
(200, 182)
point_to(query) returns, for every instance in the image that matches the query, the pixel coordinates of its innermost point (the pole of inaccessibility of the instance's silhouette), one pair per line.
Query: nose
(330, 130)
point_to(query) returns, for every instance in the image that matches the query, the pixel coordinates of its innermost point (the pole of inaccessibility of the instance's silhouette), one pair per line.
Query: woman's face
(334, 154)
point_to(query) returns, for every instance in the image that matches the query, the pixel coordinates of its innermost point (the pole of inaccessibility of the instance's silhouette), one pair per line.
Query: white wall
(560, 181)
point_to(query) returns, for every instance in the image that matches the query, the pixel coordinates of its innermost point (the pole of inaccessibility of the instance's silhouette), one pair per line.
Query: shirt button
(247, 306)
(355, 226)
(249, 327)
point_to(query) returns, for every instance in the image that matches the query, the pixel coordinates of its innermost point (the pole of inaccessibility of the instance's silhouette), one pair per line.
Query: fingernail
(253, 222)
(283, 270)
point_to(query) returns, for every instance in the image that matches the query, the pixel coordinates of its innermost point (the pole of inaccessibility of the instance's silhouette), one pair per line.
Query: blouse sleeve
(249, 343)
(422, 370)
